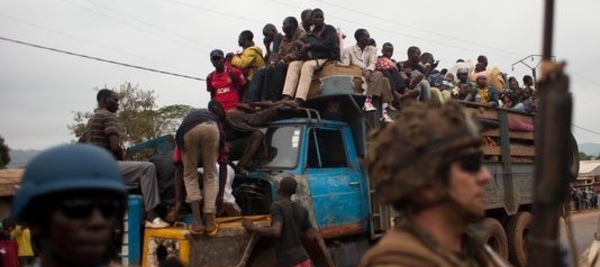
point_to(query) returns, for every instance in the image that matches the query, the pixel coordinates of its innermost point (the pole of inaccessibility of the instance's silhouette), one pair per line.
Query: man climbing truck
(323, 149)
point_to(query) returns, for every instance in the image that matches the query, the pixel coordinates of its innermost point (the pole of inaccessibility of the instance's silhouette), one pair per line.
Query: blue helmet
(65, 168)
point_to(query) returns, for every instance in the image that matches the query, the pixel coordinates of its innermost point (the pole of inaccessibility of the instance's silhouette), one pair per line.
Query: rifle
(551, 170)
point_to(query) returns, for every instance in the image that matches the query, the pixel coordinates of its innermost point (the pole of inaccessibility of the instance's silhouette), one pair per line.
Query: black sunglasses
(83, 208)
(470, 161)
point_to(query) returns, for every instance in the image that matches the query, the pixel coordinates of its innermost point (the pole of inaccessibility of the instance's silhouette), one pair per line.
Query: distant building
(589, 173)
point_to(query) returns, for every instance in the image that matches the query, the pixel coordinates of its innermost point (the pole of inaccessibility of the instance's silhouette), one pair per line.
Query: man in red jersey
(225, 83)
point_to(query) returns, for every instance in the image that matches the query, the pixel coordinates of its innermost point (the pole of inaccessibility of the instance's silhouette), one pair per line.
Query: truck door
(335, 183)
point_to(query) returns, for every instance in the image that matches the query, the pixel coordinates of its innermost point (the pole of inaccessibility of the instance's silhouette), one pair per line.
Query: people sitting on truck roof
(417, 74)
(528, 100)
(306, 20)
(485, 94)
(245, 140)
(388, 67)
(365, 56)
(434, 77)
(528, 82)
(513, 85)
(510, 100)
(465, 89)
(272, 40)
(225, 83)
(103, 132)
(250, 59)
(429, 63)
(447, 86)
(200, 136)
(483, 61)
(268, 82)
(320, 45)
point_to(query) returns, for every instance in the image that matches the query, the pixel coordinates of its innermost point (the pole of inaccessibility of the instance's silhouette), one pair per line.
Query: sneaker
(156, 223)
(369, 107)
(386, 118)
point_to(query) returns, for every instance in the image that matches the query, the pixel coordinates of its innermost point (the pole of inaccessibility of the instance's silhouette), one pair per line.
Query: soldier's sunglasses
(83, 208)
(470, 161)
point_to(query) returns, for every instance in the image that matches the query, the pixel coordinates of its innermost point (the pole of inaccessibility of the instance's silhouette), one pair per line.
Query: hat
(404, 157)
(73, 167)
(216, 53)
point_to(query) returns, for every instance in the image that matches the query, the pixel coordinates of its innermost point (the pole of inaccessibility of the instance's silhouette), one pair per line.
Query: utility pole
(536, 60)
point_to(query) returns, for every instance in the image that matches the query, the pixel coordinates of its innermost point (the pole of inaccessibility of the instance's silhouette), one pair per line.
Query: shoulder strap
(233, 79)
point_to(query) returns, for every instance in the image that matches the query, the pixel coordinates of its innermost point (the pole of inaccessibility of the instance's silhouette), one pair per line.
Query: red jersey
(223, 88)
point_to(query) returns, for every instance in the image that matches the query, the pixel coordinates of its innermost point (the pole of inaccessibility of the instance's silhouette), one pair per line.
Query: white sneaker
(386, 118)
(369, 107)
(157, 223)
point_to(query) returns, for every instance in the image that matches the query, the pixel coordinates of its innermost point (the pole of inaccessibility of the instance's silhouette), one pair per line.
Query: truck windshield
(283, 143)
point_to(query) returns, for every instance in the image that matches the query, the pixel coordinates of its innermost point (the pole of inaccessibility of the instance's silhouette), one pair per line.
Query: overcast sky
(40, 89)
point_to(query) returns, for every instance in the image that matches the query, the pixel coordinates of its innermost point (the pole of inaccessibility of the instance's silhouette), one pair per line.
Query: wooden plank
(520, 117)
(492, 114)
(515, 151)
(512, 134)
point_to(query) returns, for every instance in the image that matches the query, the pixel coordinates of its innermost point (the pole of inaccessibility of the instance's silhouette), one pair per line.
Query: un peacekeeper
(428, 167)
(73, 198)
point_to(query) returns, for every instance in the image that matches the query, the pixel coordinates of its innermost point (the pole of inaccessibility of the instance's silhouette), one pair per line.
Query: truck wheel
(264, 256)
(496, 237)
(517, 229)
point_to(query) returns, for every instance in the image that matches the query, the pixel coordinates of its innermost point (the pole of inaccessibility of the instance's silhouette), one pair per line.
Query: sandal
(213, 231)
(196, 232)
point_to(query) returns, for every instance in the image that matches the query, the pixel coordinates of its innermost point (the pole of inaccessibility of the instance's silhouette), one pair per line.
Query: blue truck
(323, 149)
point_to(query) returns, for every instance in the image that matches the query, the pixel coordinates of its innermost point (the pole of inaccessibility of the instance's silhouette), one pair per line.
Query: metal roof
(589, 167)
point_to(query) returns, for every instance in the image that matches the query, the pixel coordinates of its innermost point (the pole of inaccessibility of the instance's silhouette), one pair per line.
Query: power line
(100, 59)
(584, 129)
(129, 16)
(419, 29)
(214, 11)
(80, 39)
(445, 44)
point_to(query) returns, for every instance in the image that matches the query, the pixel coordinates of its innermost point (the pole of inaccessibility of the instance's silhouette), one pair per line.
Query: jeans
(255, 88)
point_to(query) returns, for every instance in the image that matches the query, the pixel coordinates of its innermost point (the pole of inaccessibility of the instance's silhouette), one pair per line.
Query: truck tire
(496, 237)
(264, 256)
(517, 229)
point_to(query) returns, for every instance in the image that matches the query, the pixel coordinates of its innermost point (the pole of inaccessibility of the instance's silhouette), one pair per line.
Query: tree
(583, 156)
(4, 156)
(139, 118)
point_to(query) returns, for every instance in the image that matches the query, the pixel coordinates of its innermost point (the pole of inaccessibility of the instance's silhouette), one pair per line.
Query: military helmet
(74, 167)
(411, 152)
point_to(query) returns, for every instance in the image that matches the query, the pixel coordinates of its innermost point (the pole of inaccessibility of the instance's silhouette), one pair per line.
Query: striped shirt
(100, 126)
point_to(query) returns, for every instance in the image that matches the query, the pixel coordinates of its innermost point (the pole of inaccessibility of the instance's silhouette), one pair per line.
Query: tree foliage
(584, 156)
(4, 156)
(139, 118)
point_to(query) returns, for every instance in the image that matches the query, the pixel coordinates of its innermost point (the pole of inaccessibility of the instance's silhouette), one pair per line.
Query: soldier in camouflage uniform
(427, 165)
